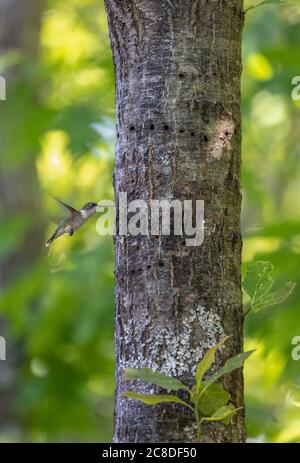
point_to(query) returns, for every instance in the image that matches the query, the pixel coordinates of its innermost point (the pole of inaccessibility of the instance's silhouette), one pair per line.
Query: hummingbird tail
(51, 239)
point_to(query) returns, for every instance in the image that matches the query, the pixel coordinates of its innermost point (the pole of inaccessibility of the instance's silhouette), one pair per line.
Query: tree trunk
(178, 68)
(19, 30)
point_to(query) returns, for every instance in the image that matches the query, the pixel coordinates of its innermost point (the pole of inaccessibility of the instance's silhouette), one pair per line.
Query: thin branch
(252, 7)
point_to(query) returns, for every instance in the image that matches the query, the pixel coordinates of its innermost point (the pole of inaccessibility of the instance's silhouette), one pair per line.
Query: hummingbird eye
(90, 205)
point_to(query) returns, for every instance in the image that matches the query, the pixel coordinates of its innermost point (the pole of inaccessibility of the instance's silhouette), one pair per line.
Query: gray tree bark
(19, 194)
(177, 67)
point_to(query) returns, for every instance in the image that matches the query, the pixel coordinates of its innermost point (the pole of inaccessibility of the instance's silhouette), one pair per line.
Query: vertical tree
(177, 68)
(20, 209)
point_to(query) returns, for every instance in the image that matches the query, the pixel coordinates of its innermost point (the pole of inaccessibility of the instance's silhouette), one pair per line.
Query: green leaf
(223, 414)
(149, 376)
(257, 281)
(154, 399)
(228, 418)
(213, 398)
(232, 364)
(275, 297)
(208, 360)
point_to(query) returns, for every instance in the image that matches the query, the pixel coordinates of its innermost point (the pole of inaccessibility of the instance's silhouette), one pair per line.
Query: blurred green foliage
(271, 214)
(60, 309)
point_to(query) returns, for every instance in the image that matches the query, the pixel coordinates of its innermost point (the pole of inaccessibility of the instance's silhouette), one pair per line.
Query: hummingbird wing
(73, 212)
(60, 230)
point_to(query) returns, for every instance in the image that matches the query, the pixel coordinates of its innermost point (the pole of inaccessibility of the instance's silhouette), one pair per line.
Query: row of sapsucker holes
(166, 127)
(181, 75)
(148, 267)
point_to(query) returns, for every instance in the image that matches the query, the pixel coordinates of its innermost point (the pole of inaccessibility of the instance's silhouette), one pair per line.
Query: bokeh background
(57, 135)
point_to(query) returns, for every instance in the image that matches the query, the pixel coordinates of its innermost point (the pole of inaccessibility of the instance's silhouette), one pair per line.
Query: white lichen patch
(175, 350)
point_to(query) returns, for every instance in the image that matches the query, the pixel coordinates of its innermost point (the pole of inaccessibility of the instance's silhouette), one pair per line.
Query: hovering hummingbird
(73, 222)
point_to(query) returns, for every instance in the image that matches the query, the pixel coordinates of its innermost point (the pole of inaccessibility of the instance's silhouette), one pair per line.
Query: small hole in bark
(166, 127)
(160, 263)
(138, 247)
(131, 128)
(132, 271)
(181, 75)
(192, 134)
(181, 131)
(148, 267)
(205, 138)
(151, 126)
(226, 133)
(158, 177)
